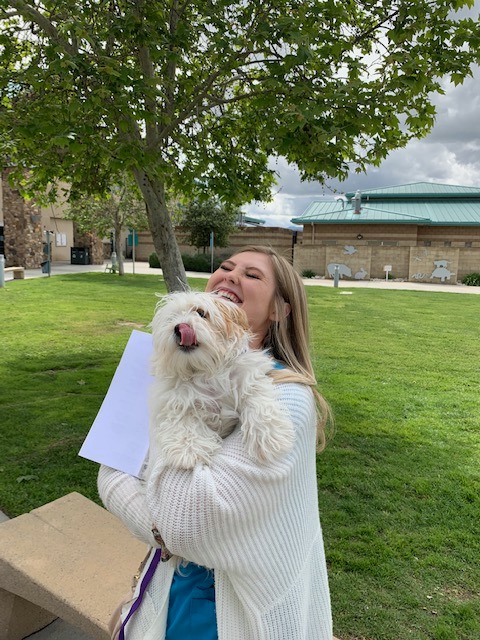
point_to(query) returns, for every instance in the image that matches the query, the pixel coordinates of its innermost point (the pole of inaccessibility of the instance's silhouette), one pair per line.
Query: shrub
(308, 273)
(153, 261)
(201, 262)
(472, 279)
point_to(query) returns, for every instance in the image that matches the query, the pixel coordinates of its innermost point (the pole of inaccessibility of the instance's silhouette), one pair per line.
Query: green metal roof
(243, 219)
(419, 203)
(254, 221)
(427, 190)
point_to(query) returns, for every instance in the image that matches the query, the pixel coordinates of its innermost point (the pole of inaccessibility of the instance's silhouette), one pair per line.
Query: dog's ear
(241, 318)
(234, 318)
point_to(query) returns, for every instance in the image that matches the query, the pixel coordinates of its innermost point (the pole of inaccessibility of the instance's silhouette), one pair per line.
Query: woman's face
(248, 280)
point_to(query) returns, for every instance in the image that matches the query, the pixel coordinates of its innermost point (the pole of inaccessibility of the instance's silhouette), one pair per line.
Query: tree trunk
(118, 249)
(163, 234)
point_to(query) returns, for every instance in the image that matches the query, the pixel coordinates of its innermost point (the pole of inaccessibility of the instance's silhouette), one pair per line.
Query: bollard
(2, 271)
(336, 275)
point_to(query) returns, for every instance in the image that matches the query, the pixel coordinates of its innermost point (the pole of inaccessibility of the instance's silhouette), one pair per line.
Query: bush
(472, 279)
(308, 273)
(200, 262)
(153, 261)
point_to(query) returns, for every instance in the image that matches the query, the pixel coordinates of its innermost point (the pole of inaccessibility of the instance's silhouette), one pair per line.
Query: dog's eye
(201, 313)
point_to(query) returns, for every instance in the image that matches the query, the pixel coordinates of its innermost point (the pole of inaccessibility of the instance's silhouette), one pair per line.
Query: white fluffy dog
(207, 381)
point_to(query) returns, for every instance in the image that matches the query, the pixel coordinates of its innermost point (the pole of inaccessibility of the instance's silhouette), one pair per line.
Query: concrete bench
(18, 272)
(69, 559)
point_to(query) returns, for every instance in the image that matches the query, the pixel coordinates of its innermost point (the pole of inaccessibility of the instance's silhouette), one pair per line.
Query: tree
(197, 94)
(201, 217)
(121, 208)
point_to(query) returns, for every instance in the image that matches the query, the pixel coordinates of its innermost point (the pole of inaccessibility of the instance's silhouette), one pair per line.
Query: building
(419, 232)
(29, 233)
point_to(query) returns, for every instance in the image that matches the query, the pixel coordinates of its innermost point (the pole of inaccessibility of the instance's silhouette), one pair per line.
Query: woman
(250, 533)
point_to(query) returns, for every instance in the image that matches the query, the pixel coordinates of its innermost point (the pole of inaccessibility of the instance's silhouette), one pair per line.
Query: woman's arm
(124, 496)
(228, 513)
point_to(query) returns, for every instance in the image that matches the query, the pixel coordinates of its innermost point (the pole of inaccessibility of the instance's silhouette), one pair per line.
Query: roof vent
(357, 202)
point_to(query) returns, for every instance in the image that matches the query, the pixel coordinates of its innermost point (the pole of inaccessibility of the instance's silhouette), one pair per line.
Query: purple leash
(143, 587)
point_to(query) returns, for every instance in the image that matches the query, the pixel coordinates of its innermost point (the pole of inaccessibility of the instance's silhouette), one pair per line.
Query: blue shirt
(191, 609)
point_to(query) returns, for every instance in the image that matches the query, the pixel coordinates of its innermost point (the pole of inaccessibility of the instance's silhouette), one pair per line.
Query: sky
(450, 154)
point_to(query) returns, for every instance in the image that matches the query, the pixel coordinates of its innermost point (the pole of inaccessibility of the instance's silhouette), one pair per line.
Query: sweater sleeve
(124, 496)
(227, 514)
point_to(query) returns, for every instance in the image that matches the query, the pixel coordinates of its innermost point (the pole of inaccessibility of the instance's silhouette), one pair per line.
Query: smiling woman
(248, 280)
(247, 528)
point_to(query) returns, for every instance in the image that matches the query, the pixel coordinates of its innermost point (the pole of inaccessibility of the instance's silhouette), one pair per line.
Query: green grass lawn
(399, 486)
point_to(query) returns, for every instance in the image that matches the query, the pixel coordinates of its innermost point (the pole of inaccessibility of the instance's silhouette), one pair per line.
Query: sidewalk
(143, 268)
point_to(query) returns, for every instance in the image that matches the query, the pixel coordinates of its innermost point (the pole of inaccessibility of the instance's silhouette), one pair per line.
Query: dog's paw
(268, 438)
(188, 455)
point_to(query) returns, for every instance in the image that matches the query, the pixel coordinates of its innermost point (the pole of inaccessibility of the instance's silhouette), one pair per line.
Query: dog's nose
(185, 335)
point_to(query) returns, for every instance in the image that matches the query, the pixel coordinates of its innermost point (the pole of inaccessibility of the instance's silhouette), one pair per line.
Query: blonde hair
(288, 337)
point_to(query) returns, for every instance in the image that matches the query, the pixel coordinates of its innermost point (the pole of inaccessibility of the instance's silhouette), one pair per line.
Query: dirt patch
(135, 325)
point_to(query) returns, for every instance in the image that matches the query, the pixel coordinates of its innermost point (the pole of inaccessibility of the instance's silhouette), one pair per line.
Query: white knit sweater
(256, 525)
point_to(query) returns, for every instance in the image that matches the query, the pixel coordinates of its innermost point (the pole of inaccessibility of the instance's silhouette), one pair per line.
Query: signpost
(132, 242)
(212, 237)
(387, 268)
(336, 275)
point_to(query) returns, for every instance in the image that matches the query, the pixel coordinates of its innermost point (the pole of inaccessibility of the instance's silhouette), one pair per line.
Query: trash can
(45, 266)
(79, 255)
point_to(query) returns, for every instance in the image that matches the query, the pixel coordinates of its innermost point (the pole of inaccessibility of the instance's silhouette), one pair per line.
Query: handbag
(116, 626)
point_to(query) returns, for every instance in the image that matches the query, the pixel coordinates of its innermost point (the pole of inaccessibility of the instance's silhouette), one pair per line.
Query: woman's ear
(286, 311)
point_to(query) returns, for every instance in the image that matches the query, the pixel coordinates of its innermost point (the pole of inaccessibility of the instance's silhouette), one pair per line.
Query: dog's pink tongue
(187, 335)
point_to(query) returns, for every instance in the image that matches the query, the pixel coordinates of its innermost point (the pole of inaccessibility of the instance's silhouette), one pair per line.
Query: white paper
(118, 437)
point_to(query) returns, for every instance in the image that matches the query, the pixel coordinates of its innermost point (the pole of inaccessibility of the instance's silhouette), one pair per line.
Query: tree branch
(202, 90)
(175, 15)
(31, 14)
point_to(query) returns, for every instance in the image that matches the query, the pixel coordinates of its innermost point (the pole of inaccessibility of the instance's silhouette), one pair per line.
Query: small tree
(200, 218)
(121, 208)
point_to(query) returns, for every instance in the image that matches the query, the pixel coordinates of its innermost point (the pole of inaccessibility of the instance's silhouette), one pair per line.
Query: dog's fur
(207, 381)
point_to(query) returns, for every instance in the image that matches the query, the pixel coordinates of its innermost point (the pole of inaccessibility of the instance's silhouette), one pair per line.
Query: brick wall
(397, 257)
(279, 239)
(437, 254)
(310, 256)
(347, 234)
(22, 228)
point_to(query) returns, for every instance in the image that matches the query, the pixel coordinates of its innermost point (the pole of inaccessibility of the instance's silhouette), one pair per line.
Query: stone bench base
(69, 559)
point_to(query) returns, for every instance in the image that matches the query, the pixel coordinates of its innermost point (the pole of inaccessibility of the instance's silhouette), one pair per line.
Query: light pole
(49, 257)
(2, 270)
(114, 253)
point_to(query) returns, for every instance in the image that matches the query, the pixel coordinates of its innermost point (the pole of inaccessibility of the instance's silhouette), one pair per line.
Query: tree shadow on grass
(46, 413)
